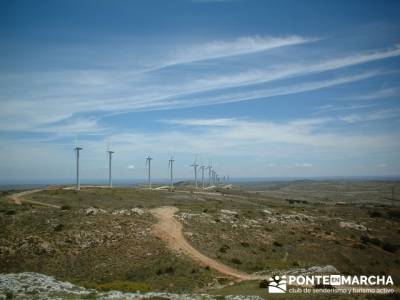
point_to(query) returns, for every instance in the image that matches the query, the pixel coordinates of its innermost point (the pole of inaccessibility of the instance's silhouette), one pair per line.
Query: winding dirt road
(170, 230)
(18, 198)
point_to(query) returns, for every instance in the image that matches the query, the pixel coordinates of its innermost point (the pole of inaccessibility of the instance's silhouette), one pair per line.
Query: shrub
(360, 246)
(375, 214)
(394, 213)
(390, 247)
(65, 207)
(277, 244)
(167, 270)
(263, 284)
(9, 295)
(4, 193)
(236, 261)
(59, 227)
(245, 244)
(365, 239)
(224, 248)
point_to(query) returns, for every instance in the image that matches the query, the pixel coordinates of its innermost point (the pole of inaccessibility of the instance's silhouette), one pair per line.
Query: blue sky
(260, 88)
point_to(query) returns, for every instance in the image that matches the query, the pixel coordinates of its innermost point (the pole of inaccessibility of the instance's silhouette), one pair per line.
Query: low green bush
(390, 247)
(236, 261)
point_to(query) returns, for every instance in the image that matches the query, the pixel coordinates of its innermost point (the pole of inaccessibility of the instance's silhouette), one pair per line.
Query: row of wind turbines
(213, 178)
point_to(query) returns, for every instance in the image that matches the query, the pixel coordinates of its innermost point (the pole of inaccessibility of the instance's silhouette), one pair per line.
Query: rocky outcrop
(29, 285)
(352, 225)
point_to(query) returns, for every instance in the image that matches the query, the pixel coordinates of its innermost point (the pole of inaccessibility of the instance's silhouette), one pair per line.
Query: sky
(255, 88)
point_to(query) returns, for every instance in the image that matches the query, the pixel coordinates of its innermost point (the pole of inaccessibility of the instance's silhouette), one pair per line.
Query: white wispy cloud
(45, 99)
(283, 71)
(372, 116)
(227, 48)
(189, 100)
(359, 58)
(260, 136)
(87, 126)
(333, 107)
(38, 113)
(279, 91)
(380, 94)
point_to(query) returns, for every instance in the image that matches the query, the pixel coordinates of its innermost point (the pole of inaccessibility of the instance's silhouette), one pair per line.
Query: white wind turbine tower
(110, 153)
(148, 165)
(195, 165)
(78, 184)
(202, 167)
(171, 167)
(209, 174)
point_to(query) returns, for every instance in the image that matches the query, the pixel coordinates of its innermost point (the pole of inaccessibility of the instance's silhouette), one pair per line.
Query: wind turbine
(209, 168)
(195, 165)
(171, 167)
(148, 165)
(78, 184)
(110, 153)
(202, 167)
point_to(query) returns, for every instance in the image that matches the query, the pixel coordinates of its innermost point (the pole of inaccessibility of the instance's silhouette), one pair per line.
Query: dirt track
(170, 230)
(18, 198)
